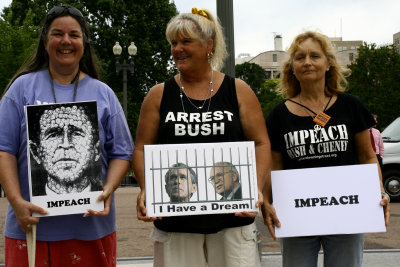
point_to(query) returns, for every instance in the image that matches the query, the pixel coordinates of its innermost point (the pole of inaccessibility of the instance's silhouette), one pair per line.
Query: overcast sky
(256, 21)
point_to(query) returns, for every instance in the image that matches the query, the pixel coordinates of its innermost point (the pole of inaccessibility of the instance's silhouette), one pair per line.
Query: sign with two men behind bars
(193, 179)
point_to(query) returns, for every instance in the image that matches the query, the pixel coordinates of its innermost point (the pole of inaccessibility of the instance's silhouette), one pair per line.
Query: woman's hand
(270, 218)
(23, 211)
(9, 180)
(141, 208)
(385, 203)
(106, 196)
(117, 169)
(252, 214)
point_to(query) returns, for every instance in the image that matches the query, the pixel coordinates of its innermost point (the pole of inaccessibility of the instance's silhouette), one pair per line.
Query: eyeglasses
(57, 10)
(218, 177)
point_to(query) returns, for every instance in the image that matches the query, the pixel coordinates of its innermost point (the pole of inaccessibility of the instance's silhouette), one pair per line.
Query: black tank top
(218, 123)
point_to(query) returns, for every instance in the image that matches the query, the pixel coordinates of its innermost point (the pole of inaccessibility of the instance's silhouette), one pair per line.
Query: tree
(17, 43)
(268, 95)
(253, 74)
(140, 21)
(375, 78)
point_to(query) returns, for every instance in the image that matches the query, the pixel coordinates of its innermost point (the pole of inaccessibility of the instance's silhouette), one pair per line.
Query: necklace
(182, 92)
(75, 80)
(321, 118)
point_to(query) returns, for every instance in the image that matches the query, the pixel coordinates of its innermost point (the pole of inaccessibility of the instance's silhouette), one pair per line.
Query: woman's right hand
(270, 218)
(141, 208)
(23, 211)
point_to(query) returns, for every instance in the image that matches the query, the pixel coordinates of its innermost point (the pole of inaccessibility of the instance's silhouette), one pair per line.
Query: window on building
(353, 47)
(351, 56)
(339, 49)
(274, 58)
(344, 48)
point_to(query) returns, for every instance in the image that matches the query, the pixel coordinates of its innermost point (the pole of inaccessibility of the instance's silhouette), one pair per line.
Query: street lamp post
(117, 50)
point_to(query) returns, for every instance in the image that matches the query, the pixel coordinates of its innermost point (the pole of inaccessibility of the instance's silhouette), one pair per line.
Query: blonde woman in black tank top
(198, 49)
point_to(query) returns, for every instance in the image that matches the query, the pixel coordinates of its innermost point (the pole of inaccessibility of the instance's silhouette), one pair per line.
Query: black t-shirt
(218, 122)
(334, 145)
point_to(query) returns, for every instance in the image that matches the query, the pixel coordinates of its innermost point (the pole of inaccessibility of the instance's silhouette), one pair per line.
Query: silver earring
(209, 57)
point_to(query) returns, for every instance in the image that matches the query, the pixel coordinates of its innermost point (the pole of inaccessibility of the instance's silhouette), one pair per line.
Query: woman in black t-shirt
(201, 105)
(317, 126)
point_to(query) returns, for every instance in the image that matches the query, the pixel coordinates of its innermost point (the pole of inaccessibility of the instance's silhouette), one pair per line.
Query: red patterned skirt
(73, 252)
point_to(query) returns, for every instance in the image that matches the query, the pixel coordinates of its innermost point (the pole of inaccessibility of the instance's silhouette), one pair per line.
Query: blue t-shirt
(115, 143)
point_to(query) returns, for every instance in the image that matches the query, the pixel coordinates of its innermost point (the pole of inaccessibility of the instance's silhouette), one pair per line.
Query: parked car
(391, 159)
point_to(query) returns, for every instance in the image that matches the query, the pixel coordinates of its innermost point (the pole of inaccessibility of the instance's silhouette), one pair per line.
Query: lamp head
(117, 49)
(132, 49)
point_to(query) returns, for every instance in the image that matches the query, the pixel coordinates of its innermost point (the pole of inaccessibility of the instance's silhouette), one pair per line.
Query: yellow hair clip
(200, 12)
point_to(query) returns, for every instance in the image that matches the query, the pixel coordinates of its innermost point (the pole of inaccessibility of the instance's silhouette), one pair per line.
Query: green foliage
(17, 43)
(140, 21)
(375, 78)
(268, 96)
(253, 74)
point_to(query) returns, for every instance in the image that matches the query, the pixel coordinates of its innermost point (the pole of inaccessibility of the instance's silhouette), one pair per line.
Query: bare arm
(117, 169)
(9, 180)
(146, 134)
(268, 210)
(367, 155)
(253, 124)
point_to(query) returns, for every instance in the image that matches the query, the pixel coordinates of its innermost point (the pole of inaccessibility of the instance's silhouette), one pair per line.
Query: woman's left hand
(117, 169)
(106, 197)
(385, 203)
(252, 214)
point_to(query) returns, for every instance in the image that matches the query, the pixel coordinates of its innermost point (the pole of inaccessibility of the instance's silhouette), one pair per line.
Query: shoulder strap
(302, 105)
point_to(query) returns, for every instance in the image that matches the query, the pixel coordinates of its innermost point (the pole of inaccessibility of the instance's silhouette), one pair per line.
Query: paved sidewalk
(372, 258)
(134, 242)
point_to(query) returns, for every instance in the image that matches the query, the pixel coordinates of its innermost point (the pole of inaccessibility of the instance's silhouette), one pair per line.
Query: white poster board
(64, 161)
(330, 200)
(213, 178)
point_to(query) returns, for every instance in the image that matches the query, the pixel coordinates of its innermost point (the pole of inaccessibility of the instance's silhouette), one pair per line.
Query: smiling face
(66, 143)
(188, 53)
(309, 62)
(64, 43)
(179, 185)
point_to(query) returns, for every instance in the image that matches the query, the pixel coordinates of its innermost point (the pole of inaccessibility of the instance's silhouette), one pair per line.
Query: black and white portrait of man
(64, 148)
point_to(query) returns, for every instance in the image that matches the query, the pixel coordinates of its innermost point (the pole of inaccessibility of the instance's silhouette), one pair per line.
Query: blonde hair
(334, 79)
(198, 27)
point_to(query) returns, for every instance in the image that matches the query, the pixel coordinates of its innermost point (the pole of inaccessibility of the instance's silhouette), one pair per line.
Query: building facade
(272, 61)
(396, 42)
(346, 51)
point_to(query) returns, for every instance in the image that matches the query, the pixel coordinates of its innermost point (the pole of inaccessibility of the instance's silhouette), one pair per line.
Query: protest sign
(207, 178)
(328, 200)
(64, 157)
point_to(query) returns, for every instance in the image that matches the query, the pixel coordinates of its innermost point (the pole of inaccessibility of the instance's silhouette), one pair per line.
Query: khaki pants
(231, 247)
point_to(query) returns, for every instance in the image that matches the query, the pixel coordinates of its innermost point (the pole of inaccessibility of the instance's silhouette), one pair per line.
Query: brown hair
(40, 59)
